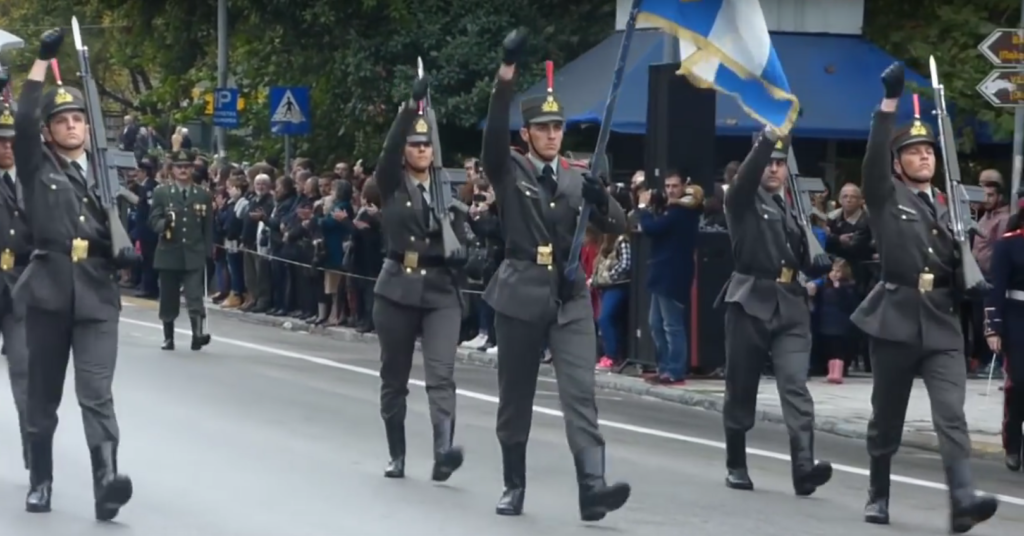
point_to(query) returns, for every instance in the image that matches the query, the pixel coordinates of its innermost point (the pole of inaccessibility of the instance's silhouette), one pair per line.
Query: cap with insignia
(182, 158)
(6, 121)
(916, 132)
(420, 131)
(62, 99)
(781, 149)
(544, 108)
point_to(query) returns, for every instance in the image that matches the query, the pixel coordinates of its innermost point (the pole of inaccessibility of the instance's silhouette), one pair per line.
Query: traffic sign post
(289, 115)
(1005, 87)
(225, 107)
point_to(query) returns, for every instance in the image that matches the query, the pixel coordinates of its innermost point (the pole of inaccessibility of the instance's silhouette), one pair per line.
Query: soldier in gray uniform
(911, 315)
(15, 248)
(70, 285)
(539, 197)
(766, 315)
(416, 292)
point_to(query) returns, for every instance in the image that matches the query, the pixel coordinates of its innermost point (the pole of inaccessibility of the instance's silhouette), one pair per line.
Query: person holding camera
(670, 218)
(485, 224)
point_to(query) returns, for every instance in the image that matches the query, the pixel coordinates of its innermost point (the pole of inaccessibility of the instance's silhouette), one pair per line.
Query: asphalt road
(273, 433)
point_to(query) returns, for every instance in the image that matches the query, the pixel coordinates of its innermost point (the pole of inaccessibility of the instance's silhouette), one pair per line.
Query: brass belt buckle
(411, 259)
(79, 249)
(545, 257)
(926, 282)
(6, 260)
(786, 275)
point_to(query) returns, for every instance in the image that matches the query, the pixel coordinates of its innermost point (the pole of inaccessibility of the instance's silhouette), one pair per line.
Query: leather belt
(1015, 295)
(421, 261)
(97, 250)
(936, 282)
(786, 276)
(541, 256)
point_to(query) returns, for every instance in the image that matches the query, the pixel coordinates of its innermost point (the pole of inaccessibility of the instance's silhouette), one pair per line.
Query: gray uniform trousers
(750, 343)
(175, 283)
(894, 366)
(52, 338)
(520, 347)
(399, 326)
(12, 325)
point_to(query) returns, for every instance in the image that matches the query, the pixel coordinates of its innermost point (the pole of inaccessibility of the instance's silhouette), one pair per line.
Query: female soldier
(416, 292)
(1004, 309)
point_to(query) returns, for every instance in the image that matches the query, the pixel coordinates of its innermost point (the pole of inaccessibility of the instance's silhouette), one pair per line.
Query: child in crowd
(835, 299)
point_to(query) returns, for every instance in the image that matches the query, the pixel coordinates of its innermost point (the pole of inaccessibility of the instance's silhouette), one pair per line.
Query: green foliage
(951, 30)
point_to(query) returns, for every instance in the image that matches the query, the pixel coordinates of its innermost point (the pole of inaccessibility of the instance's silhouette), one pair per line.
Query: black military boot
(110, 489)
(966, 508)
(597, 498)
(394, 428)
(40, 475)
(447, 458)
(876, 511)
(808, 474)
(736, 476)
(1014, 443)
(513, 460)
(199, 337)
(168, 336)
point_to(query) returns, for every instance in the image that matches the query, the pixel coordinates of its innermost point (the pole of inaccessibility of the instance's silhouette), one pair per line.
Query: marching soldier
(416, 292)
(766, 314)
(182, 214)
(1004, 307)
(911, 315)
(70, 285)
(539, 197)
(15, 248)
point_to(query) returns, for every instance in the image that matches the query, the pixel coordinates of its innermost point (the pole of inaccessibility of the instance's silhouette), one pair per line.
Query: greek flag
(724, 44)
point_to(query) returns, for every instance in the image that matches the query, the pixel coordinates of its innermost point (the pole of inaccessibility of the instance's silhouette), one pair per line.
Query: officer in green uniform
(181, 213)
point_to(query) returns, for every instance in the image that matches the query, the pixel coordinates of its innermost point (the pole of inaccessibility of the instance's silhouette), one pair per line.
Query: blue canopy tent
(836, 78)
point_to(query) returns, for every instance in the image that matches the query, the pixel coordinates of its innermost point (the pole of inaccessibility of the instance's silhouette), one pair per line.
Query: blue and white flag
(724, 44)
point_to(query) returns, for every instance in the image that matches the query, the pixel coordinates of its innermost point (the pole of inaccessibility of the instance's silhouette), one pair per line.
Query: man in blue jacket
(671, 223)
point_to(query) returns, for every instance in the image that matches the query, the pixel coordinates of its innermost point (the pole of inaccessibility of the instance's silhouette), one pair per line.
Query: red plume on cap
(917, 107)
(550, 67)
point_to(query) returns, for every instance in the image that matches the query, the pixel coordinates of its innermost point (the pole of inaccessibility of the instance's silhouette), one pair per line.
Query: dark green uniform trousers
(172, 282)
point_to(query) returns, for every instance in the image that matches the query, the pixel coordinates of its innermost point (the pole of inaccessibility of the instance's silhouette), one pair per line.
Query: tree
(951, 31)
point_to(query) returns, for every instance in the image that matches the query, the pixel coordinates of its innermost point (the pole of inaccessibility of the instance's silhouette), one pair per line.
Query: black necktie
(184, 194)
(9, 182)
(424, 205)
(927, 201)
(547, 179)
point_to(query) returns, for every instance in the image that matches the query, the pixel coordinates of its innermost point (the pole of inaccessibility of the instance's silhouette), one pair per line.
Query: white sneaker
(475, 342)
(493, 350)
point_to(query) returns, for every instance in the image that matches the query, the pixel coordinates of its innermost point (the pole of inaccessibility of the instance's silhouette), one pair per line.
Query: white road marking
(1018, 501)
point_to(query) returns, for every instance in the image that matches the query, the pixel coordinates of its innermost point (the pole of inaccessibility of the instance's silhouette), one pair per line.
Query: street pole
(222, 69)
(288, 155)
(1018, 140)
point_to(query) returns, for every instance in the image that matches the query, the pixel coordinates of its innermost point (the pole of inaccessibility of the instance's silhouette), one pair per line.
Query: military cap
(420, 131)
(62, 99)
(181, 157)
(915, 132)
(781, 149)
(542, 109)
(6, 122)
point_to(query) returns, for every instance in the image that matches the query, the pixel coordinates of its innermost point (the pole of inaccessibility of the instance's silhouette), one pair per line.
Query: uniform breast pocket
(772, 216)
(55, 181)
(528, 190)
(907, 215)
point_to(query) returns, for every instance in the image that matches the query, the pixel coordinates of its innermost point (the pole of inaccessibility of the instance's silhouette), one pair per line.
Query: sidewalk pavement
(841, 410)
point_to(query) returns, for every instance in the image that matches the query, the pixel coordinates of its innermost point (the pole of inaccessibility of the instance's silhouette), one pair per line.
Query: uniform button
(766, 216)
(183, 220)
(81, 218)
(926, 269)
(426, 240)
(550, 267)
(16, 213)
(85, 199)
(12, 232)
(552, 205)
(423, 272)
(903, 217)
(935, 231)
(408, 203)
(412, 238)
(408, 270)
(930, 250)
(53, 186)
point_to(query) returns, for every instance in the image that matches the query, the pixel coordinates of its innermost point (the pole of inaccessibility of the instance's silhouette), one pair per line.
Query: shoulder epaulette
(1011, 234)
(519, 150)
(576, 164)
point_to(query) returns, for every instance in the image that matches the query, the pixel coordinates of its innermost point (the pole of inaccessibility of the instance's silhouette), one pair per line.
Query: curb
(623, 384)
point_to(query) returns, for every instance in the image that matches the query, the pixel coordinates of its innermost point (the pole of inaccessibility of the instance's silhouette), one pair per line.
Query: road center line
(1018, 501)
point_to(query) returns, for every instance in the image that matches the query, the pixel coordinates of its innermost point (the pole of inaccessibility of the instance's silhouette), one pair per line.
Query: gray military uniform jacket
(910, 243)
(414, 271)
(764, 277)
(530, 218)
(15, 242)
(62, 206)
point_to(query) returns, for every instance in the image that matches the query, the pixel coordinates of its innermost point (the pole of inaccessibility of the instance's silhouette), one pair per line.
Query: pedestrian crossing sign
(289, 111)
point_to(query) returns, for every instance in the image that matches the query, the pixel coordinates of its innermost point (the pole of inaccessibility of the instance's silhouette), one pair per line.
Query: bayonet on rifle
(972, 281)
(104, 162)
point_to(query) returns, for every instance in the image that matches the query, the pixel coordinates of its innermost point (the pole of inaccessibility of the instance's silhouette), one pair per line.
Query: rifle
(442, 202)
(104, 162)
(972, 281)
(802, 205)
